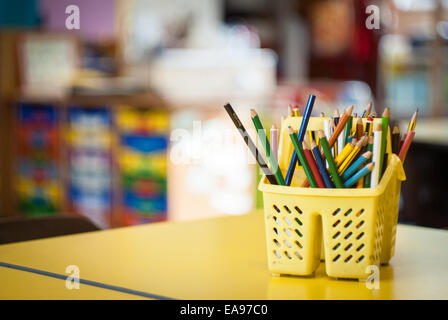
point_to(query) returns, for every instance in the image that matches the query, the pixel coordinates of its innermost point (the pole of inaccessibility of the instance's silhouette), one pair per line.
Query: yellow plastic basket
(357, 226)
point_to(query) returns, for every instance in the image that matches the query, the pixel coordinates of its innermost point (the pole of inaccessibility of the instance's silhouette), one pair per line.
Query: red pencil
(313, 165)
(406, 144)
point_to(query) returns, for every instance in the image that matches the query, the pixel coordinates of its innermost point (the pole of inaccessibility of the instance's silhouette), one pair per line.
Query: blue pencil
(358, 175)
(356, 165)
(321, 165)
(301, 135)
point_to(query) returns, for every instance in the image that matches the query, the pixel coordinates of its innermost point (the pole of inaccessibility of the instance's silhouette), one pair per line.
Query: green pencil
(301, 155)
(331, 164)
(265, 142)
(348, 129)
(368, 176)
(385, 130)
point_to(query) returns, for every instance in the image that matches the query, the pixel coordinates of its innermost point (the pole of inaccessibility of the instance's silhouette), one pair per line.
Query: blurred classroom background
(120, 120)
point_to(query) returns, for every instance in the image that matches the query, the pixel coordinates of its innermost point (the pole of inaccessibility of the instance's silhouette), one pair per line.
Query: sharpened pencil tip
(367, 154)
(321, 134)
(253, 113)
(349, 110)
(378, 127)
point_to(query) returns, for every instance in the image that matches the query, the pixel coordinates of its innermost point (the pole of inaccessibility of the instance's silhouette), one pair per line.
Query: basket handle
(401, 175)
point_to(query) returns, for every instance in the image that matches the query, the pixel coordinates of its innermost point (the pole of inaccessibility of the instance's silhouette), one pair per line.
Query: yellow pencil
(353, 154)
(290, 112)
(345, 152)
(296, 111)
(413, 121)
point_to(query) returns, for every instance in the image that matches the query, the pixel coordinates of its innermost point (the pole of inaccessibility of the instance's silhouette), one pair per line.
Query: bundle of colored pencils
(347, 153)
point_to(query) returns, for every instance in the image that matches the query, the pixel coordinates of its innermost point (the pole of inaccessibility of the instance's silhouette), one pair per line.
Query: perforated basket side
(350, 237)
(291, 235)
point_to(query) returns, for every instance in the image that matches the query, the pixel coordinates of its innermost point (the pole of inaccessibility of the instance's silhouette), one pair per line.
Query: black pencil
(250, 144)
(395, 140)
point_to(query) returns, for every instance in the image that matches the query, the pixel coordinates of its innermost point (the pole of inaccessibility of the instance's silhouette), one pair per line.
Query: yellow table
(224, 258)
(15, 284)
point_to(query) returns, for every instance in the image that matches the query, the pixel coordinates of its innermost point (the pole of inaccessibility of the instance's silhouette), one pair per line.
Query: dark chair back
(23, 229)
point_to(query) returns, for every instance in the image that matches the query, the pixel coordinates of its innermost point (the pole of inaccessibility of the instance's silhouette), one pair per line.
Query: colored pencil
(335, 145)
(341, 124)
(290, 112)
(376, 156)
(359, 128)
(327, 126)
(306, 117)
(265, 143)
(321, 165)
(348, 129)
(360, 183)
(413, 122)
(367, 111)
(395, 140)
(296, 111)
(402, 141)
(361, 173)
(274, 141)
(345, 152)
(258, 157)
(406, 144)
(385, 132)
(330, 160)
(356, 165)
(369, 148)
(301, 155)
(369, 124)
(303, 126)
(336, 116)
(351, 139)
(340, 141)
(313, 165)
(348, 160)
(385, 158)
(310, 136)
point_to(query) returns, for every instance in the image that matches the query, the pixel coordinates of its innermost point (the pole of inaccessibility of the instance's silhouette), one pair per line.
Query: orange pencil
(341, 124)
